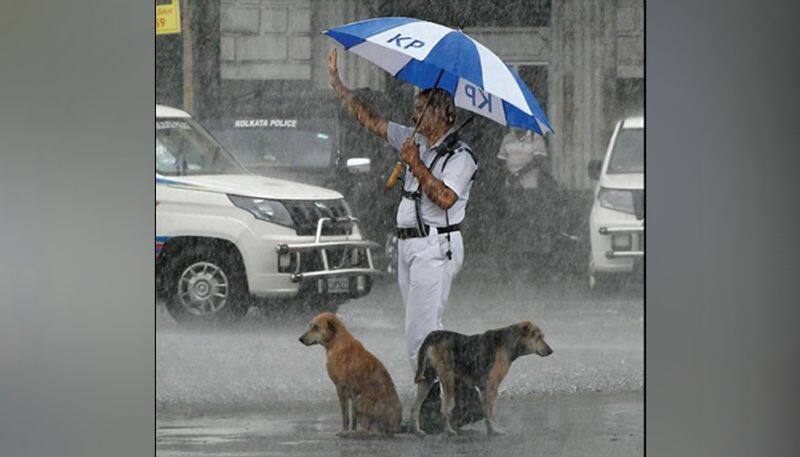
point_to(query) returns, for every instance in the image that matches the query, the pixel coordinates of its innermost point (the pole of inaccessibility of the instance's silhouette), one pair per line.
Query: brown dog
(360, 378)
(478, 360)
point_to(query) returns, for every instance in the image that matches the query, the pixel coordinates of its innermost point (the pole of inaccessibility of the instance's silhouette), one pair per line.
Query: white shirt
(457, 176)
(518, 152)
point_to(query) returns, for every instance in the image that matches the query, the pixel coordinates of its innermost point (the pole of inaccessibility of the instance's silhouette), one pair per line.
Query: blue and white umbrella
(427, 54)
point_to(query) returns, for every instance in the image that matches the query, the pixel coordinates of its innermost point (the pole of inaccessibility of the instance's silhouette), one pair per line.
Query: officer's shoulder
(462, 147)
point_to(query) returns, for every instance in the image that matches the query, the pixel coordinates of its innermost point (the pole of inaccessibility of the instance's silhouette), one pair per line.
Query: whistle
(398, 167)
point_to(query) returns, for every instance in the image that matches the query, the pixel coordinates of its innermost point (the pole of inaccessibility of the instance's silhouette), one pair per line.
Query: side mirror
(358, 165)
(594, 168)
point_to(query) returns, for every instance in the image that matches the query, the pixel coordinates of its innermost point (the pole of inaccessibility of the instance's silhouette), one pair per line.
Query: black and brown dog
(479, 360)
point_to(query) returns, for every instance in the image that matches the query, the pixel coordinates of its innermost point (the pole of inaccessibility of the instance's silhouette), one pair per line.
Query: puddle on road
(613, 422)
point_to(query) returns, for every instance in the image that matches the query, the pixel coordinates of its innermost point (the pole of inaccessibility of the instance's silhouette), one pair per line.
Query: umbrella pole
(464, 124)
(398, 167)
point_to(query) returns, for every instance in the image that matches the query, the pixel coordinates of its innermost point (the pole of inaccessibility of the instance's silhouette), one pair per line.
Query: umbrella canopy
(430, 55)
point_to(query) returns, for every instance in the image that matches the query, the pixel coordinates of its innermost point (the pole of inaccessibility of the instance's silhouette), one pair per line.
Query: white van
(616, 222)
(224, 235)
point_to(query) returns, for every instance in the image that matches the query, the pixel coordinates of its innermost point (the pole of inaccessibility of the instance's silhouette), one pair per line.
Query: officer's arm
(440, 194)
(436, 190)
(362, 112)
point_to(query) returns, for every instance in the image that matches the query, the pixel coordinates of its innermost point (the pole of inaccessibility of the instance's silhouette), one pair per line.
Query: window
(628, 153)
(281, 143)
(182, 148)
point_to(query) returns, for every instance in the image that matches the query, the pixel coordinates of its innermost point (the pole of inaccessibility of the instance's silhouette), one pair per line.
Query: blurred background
(265, 59)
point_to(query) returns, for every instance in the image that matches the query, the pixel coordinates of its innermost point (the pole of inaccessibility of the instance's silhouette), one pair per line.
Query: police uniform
(427, 264)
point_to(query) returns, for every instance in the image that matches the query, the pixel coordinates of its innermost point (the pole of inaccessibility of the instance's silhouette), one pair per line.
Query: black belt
(412, 232)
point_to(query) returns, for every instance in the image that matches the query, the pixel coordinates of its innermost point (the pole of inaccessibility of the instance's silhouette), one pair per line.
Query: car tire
(207, 287)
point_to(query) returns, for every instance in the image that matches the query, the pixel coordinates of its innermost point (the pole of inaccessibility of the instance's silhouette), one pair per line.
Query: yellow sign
(168, 17)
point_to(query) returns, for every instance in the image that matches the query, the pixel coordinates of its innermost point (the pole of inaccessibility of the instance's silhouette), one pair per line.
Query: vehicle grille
(305, 215)
(337, 259)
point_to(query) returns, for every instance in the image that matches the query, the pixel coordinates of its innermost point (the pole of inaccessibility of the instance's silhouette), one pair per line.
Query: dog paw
(419, 433)
(451, 432)
(496, 432)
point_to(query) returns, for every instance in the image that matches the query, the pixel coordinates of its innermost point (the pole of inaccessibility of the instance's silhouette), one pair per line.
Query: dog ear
(526, 327)
(331, 327)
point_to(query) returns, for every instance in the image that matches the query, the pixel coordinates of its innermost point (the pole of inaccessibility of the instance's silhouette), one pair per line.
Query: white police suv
(616, 222)
(226, 239)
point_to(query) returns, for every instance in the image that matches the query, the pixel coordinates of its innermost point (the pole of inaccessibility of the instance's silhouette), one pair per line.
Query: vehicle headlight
(616, 199)
(267, 210)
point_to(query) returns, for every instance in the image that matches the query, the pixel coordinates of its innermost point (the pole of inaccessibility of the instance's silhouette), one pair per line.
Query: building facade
(584, 59)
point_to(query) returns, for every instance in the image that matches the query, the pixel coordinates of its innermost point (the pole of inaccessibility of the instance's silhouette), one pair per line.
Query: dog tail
(421, 359)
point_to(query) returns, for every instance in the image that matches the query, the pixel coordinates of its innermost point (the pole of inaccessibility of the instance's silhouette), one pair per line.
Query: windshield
(628, 153)
(184, 148)
(281, 143)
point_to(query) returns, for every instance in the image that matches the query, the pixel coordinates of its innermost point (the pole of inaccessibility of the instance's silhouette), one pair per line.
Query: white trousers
(425, 274)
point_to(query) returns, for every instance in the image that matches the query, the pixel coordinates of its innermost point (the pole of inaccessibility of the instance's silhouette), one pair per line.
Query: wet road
(257, 390)
(570, 425)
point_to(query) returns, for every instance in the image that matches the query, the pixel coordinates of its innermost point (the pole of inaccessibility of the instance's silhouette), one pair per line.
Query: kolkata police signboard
(252, 123)
(168, 17)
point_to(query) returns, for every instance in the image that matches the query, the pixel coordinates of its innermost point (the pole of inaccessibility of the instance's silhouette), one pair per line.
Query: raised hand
(333, 69)
(362, 112)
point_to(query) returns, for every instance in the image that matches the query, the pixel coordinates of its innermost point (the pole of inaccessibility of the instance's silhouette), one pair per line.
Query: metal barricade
(322, 247)
(629, 254)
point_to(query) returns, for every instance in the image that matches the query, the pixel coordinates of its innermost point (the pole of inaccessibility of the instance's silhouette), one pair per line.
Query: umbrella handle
(398, 168)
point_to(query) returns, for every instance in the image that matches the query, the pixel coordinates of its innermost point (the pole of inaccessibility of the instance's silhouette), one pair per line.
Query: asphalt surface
(255, 390)
(573, 425)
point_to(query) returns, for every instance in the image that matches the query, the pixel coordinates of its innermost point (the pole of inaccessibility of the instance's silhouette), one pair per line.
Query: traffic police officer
(438, 177)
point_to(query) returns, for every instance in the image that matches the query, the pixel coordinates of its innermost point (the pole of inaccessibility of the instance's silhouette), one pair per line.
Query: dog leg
(489, 397)
(347, 412)
(423, 387)
(448, 402)
(367, 425)
(355, 419)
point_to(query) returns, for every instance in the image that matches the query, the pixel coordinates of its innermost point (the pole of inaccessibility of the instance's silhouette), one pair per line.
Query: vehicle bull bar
(322, 246)
(617, 254)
